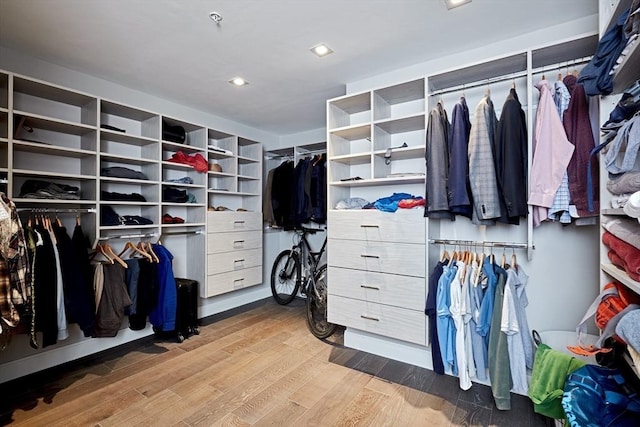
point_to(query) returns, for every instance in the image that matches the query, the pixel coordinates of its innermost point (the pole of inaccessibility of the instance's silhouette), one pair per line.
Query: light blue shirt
(446, 327)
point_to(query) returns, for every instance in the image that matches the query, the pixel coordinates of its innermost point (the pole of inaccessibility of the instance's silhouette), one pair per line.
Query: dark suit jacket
(511, 159)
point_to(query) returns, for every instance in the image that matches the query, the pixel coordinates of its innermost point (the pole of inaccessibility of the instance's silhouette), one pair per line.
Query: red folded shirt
(198, 162)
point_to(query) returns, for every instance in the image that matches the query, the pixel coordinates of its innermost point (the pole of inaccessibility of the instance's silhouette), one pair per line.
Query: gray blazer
(482, 171)
(437, 162)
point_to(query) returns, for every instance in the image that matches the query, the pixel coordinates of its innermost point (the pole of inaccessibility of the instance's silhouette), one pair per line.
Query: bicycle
(297, 269)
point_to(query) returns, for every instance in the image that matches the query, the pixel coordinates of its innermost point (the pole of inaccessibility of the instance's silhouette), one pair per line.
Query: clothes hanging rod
(57, 210)
(279, 157)
(174, 233)
(129, 236)
(483, 243)
(485, 82)
(512, 76)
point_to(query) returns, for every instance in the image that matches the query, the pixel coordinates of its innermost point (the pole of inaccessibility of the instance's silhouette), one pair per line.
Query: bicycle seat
(310, 230)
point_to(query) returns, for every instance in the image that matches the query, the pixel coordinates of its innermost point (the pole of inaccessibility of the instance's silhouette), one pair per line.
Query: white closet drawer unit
(233, 261)
(407, 226)
(231, 281)
(390, 289)
(233, 241)
(233, 221)
(394, 322)
(397, 258)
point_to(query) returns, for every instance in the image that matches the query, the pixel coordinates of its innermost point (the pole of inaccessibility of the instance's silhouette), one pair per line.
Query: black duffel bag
(173, 133)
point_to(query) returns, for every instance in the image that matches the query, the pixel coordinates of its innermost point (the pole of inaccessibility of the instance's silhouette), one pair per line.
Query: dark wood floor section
(253, 366)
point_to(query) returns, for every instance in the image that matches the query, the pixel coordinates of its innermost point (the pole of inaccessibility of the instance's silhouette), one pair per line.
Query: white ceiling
(171, 49)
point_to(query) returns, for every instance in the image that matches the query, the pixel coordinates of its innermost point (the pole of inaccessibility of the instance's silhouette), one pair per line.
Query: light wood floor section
(260, 367)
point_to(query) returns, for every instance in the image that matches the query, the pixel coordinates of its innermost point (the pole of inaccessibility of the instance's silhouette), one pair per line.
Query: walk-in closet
(472, 167)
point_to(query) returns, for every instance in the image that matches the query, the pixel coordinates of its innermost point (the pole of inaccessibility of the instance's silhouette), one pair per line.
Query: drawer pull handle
(369, 317)
(238, 242)
(369, 256)
(238, 280)
(238, 221)
(370, 287)
(239, 260)
(369, 226)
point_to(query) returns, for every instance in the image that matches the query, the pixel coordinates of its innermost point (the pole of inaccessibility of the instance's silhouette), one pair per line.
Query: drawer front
(407, 226)
(233, 221)
(232, 281)
(233, 261)
(397, 258)
(233, 241)
(390, 289)
(393, 322)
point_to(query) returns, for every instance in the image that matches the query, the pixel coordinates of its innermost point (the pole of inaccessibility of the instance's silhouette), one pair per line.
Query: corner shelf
(621, 276)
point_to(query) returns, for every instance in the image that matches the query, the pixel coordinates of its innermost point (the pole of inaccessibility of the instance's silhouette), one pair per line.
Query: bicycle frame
(309, 259)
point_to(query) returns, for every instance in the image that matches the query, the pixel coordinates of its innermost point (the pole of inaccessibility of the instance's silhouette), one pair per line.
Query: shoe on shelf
(167, 219)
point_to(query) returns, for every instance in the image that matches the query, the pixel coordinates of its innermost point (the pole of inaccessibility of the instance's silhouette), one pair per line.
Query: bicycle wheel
(317, 307)
(285, 276)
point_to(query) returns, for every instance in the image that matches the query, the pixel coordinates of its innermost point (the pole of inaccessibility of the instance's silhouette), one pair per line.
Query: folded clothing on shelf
(122, 172)
(37, 189)
(198, 162)
(121, 197)
(625, 183)
(632, 207)
(183, 180)
(174, 195)
(623, 255)
(108, 217)
(136, 220)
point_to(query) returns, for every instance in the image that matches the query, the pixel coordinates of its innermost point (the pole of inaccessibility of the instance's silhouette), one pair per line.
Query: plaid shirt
(15, 272)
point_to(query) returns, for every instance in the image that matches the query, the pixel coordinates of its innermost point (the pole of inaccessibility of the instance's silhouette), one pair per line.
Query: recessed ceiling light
(455, 3)
(238, 81)
(321, 50)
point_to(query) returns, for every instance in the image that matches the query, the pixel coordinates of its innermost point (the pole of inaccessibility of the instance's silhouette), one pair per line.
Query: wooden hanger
(444, 255)
(134, 250)
(141, 246)
(151, 252)
(454, 257)
(503, 259)
(109, 250)
(480, 263)
(100, 249)
(514, 263)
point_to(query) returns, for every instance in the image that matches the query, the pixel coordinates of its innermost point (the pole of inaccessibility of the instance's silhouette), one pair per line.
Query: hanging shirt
(499, 367)
(559, 210)
(431, 311)
(15, 270)
(457, 314)
(577, 125)
(63, 332)
(446, 327)
(514, 324)
(551, 154)
(478, 346)
(163, 316)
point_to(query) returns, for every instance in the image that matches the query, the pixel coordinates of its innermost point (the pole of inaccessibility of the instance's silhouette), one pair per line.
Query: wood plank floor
(253, 366)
